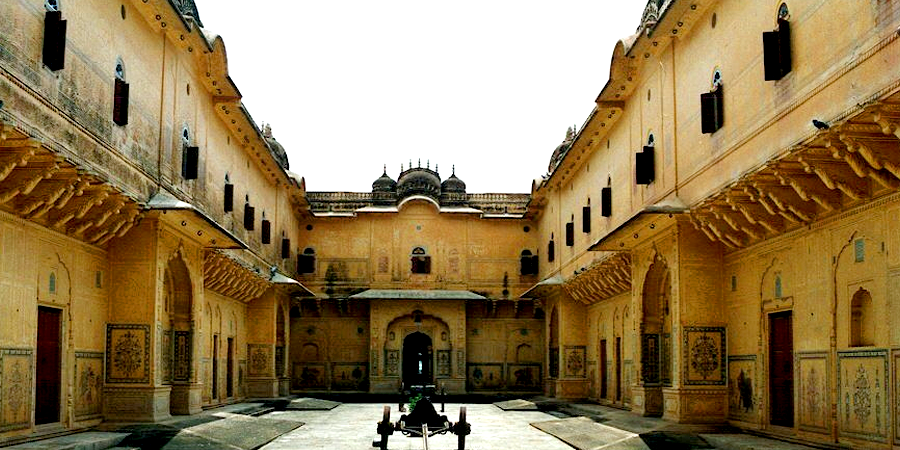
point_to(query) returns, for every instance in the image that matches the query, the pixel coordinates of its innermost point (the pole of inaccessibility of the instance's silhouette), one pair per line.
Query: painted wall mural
(575, 361)
(181, 361)
(259, 356)
(88, 385)
(704, 356)
(485, 376)
(524, 376)
(15, 388)
(309, 376)
(862, 391)
(812, 389)
(127, 353)
(350, 376)
(896, 357)
(742, 387)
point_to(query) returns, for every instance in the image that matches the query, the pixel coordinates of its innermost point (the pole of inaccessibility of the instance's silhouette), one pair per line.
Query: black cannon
(423, 421)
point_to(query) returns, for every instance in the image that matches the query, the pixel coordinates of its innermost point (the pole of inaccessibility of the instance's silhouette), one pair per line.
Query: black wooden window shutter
(189, 162)
(777, 51)
(266, 230)
(120, 103)
(644, 166)
(228, 202)
(586, 219)
(306, 262)
(712, 110)
(570, 234)
(529, 264)
(249, 216)
(606, 202)
(285, 248)
(54, 41)
(551, 247)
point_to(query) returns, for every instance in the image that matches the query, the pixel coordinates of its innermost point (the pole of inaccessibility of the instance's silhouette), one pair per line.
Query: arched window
(712, 106)
(306, 261)
(120, 95)
(644, 163)
(54, 51)
(420, 261)
(228, 200)
(777, 47)
(606, 198)
(529, 263)
(862, 324)
(551, 249)
(190, 156)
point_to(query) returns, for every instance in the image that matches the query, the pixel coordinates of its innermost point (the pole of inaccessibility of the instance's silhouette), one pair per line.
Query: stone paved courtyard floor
(352, 426)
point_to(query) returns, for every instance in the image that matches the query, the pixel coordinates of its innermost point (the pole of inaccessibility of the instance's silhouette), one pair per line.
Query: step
(91, 440)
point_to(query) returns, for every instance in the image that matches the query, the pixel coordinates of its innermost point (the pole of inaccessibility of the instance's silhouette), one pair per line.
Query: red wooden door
(603, 368)
(781, 369)
(48, 366)
(618, 369)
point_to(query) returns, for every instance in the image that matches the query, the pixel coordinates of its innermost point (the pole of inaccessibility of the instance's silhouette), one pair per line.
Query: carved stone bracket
(839, 168)
(601, 280)
(40, 186)
(229, 277)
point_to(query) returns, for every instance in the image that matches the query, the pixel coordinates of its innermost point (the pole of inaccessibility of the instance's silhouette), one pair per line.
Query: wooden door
(618, 369)
(229, 367)
(48, 370)
(215, 368)
(603, 368)
(781, 369)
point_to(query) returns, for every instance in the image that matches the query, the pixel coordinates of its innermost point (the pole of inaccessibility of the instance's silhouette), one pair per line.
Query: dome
(419, 181)
(561, 150)
(453, 184)
(384, 183)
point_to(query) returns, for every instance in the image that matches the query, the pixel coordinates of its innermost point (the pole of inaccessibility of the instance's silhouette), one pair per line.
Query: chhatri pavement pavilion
(717, 243)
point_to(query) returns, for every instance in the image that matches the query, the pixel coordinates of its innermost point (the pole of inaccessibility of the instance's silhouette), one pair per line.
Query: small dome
(384, 183)
(453, 184)
(419, 181)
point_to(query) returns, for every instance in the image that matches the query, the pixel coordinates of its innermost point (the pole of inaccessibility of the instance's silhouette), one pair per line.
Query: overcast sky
(489, 86)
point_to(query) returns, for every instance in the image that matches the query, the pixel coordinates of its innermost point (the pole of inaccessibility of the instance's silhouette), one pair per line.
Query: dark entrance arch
(417, 359)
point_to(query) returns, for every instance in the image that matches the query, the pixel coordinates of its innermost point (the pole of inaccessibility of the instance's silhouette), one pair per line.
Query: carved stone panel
(127, 353)
(896, 366)
(15, 388)
(443, 363)
(181, 369)
(260, 360)
(391, 363)
(575, 361)
(743, 386)
(812, 391)
(862, 394)
(704, 356)
(88, 385)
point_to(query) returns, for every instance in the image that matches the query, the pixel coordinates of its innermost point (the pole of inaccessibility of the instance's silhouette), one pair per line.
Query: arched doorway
(417, 359)
(180, 306)
(656, 335)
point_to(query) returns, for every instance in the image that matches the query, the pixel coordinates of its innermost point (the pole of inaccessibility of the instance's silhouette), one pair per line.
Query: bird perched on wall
(820, 125)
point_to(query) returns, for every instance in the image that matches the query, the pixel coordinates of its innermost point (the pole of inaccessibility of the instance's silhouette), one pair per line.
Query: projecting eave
(503, 216)
(188, 214)
(416, 294)
(544, 288)
(297, 288)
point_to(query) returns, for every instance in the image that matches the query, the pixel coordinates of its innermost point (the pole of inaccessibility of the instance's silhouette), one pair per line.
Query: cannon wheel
(385, 422)
(461, 437)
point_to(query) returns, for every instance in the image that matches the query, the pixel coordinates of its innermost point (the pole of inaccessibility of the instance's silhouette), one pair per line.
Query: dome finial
(454, 170)
(420, 163)
(435, 168)
(385, 169)
(428, 164)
